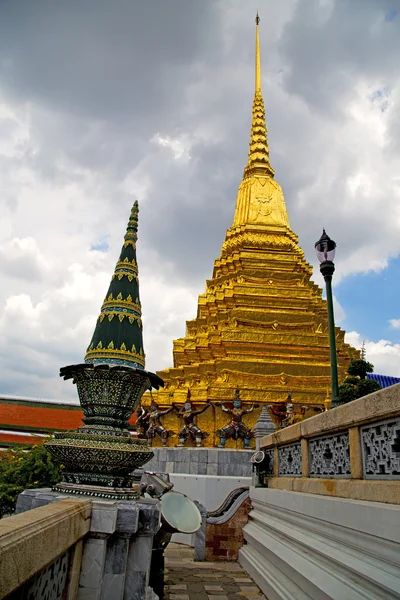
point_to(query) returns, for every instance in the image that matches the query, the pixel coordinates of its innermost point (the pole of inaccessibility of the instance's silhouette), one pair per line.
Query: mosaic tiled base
(131, 493)
(102, 453)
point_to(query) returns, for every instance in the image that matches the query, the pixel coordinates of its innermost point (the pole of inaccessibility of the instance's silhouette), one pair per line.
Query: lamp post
(325, 249)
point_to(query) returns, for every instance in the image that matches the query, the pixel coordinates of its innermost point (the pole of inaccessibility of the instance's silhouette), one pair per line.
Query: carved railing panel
(380, 443)
(49, 584)
(330, 456)
(290, 460)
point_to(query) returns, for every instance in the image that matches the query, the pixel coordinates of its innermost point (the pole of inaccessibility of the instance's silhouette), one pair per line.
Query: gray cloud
(88, 88)
(96, 58)
(329, 45)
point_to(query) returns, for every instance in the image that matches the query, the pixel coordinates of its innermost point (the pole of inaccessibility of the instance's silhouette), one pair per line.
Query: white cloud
(166, 308)
(21, 257)
(384, 355)
(395, 323)
(179, 146)
(14, 132)
(339, 311)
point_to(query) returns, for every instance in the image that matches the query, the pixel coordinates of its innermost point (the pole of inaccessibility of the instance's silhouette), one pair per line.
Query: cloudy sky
(105, 102)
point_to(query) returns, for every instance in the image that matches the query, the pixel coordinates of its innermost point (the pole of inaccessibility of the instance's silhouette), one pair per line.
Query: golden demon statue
(155, 426)
(190, 430)
(236, 429)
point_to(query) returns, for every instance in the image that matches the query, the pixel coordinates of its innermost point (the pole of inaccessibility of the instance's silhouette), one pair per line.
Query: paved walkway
(189, 580)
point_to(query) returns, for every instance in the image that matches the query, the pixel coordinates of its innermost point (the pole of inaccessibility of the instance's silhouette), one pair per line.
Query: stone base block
(202, 461)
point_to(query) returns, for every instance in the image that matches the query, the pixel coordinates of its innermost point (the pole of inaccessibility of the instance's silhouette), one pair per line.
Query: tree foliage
(360, 368)
(367, 386)
(355, 384)
(22, 468)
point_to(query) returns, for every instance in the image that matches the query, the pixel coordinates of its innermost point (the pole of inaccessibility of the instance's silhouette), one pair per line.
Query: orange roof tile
(40, 417)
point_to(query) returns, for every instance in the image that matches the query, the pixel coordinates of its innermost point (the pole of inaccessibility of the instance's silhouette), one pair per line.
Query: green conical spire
(117, 338)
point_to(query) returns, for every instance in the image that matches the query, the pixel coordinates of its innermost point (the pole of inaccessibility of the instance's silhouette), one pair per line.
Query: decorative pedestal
(101, 455)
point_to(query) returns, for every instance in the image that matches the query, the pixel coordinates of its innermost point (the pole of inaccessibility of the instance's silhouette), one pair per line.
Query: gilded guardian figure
(190, 430)
(155, 426)
(236, 429)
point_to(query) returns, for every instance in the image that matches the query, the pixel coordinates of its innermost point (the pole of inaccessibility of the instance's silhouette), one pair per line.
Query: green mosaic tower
(100, 456)
(117, 338)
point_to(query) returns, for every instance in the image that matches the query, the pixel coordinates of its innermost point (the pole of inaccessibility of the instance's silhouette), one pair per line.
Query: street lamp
(325, 249)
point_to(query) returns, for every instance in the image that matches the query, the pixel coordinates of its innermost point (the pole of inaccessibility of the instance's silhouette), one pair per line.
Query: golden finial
(258, 62)
(328, 400)
(258, 150)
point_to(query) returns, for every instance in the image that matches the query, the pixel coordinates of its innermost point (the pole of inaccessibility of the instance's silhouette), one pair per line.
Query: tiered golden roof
(261, 323)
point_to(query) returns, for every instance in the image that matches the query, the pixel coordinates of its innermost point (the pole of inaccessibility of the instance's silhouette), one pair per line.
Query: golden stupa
(261, 323)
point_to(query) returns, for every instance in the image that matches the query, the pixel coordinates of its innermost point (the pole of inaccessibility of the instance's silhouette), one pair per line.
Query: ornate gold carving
(122, 353)
(129, 274)
(110, 314)
(121, 303)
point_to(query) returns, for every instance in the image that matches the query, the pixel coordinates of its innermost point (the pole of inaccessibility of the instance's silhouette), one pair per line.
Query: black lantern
(325, 249)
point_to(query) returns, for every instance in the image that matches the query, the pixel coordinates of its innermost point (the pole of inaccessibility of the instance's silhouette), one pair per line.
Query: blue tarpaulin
(384, 380)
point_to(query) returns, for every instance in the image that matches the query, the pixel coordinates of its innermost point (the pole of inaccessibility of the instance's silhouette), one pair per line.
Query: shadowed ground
(189, 580)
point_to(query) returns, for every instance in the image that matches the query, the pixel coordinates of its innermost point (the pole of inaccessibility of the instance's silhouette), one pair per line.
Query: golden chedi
(261, 323)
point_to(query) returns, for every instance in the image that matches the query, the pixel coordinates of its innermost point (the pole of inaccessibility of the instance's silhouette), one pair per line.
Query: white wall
(209, 490)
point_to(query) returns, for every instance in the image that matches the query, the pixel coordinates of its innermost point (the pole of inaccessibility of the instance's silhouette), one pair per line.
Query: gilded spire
(117, 338)
(258, 161)
(260, 199)
(258, 62)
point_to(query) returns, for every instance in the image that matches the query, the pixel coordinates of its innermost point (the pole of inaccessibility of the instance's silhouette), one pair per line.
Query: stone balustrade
(327, 524)
(352, 451)
(42, 550)
(60, 547)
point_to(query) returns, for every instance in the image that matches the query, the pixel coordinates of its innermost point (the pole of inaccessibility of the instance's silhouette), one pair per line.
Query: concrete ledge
(380, 490)
(34, 539)
(286, 435)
